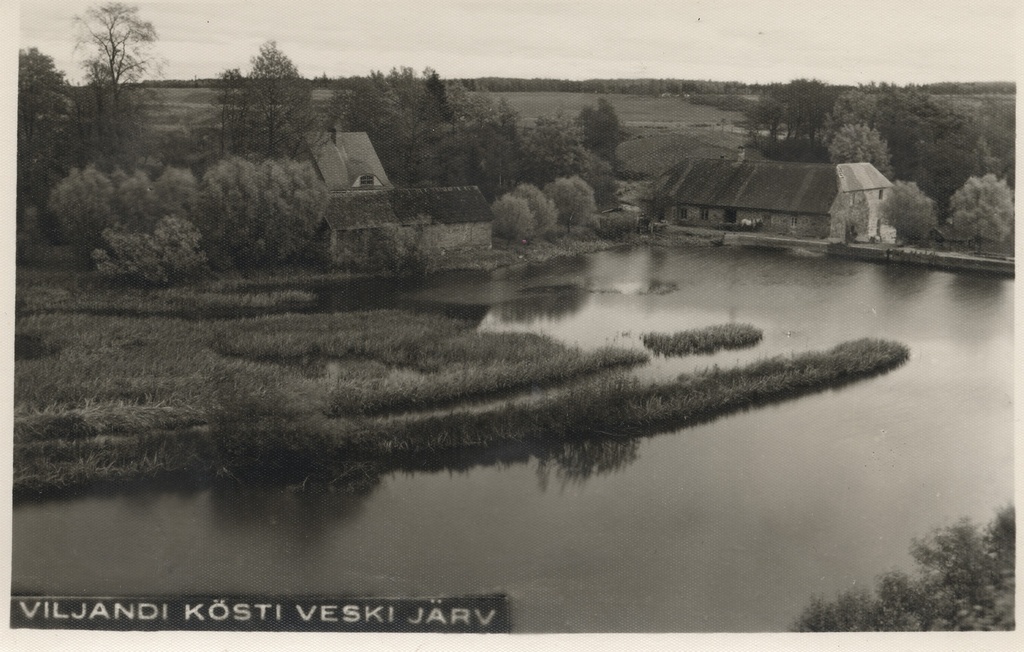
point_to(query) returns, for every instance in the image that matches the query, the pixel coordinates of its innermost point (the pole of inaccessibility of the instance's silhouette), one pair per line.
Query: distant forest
(655, 87)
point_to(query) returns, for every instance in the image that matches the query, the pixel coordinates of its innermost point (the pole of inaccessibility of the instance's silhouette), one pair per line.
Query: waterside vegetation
(103, 400)
(703, 340)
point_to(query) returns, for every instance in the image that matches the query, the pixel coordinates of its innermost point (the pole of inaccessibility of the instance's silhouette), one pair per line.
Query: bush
(513, 219)
(266, 214)
(909, 211)
(614, 226)
(983, 207)
(82, 204)
(396, 250)
(574, 200)
(545, 214)
(965, 581)
(168, 256)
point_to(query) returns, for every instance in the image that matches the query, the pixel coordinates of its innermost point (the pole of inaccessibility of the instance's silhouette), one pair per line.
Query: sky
(898, 41)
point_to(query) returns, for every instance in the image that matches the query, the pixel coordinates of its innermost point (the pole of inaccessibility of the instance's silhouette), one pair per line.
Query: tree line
(905, 132)
(87, 159)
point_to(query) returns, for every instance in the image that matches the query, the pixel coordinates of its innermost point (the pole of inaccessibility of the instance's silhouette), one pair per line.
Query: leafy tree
(82, 204)
(964, 581)
(120, 53)
(168, 256)
(983, 207)
(855, 143)
(139, 202)
(543, 211)
(909, 211)
(513, 219)
(43, 124)
(259, 214)
(574, 200)
(553, 148)
(281, 104)
(602, 132)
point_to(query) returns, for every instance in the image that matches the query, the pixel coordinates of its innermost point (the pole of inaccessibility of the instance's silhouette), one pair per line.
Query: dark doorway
(730, 216)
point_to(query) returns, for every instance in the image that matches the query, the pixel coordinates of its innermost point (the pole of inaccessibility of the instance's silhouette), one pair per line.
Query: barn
(364, 206)
(839, 202)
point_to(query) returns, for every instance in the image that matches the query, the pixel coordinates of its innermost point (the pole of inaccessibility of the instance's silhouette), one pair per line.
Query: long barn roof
(367, 208)
(767, 185)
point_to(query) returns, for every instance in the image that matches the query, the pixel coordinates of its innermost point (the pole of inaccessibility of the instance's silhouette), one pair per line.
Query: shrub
(965, 581)
(252, 215)
(513, 219)
(574, 200)
(983, 207)
(614, 225)
(545, 214)
(82, 204)
(909, 211)
(168, 256)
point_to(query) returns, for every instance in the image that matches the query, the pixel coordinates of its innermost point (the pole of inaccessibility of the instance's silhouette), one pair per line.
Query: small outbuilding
(839, 202)
(363, 206)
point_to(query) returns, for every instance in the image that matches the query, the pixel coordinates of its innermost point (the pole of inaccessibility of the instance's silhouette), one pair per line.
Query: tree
(983, 207)
(856, 143)
(513, 219)
(82, 204)
(281, 104)
(43, 123)
(553, 148)
(574, 200)
(259, 214)
(964, 581)
(542, 210)
(602, 132)
(120, 54)
(909, 211)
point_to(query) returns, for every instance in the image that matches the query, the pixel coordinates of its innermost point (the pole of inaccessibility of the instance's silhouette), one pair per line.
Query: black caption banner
(473, 614)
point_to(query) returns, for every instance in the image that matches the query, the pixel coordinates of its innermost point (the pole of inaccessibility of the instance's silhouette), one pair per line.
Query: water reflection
(576, 462)
(541, 305)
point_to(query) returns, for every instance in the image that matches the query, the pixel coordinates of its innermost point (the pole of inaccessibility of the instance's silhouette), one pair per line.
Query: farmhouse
(364, 207)
(810, 200)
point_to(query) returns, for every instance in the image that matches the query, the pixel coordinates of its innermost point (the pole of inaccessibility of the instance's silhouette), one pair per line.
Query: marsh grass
(44, 293)
(703, 340)
(124, 399)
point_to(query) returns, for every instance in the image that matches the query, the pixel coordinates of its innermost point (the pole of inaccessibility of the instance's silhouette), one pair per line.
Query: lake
(728, 526)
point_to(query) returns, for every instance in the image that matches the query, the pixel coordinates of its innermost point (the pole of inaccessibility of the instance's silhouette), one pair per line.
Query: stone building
(839, 202)
(364, 206)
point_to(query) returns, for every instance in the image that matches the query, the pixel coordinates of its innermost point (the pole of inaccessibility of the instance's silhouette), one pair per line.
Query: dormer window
(366, 180)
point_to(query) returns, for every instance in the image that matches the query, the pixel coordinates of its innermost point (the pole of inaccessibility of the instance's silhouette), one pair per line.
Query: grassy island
(103, 400)
(703, 340)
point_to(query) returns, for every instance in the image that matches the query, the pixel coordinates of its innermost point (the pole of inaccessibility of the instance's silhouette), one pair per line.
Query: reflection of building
(817, 200)
(364, 205)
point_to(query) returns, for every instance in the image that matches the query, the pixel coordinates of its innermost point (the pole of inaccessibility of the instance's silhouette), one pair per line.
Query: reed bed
(703, 340)
(120, 399)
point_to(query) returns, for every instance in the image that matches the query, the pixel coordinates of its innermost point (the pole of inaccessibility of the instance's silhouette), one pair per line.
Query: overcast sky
(897, 41)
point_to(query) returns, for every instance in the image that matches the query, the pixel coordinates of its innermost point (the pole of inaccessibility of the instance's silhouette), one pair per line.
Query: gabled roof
(368, 208)
(860, 176)
(342, 160)
(766, 185)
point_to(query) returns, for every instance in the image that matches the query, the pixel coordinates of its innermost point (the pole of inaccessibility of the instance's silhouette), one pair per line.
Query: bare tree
(119, 54)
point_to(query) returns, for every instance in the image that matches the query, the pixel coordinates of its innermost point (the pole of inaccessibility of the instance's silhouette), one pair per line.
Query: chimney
(741, 153)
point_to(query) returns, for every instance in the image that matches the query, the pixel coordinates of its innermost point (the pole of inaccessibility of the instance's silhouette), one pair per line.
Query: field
(633, 110)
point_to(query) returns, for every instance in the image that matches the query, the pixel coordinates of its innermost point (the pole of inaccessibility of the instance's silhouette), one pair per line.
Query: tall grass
(703, 340)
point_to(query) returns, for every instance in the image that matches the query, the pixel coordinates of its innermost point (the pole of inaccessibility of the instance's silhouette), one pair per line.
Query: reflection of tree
(303, 517)
(574, 462)
(547, 305)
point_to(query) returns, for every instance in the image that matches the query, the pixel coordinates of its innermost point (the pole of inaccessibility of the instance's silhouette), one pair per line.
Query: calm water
(730, 526)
